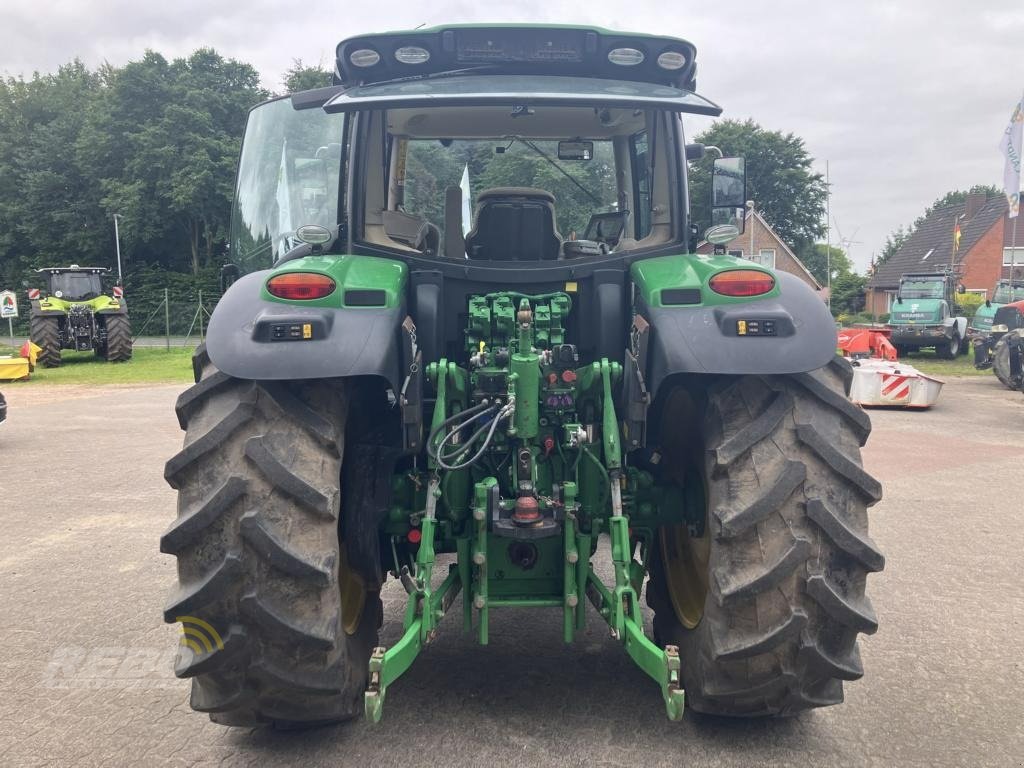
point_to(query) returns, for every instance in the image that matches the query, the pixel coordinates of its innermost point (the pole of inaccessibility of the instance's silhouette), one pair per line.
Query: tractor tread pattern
(190, 597)
(186, 530)
(845, 537)
(257, 546)
(277, 553)
(286, 481)
(846, 667)
(760, 643)
(842, 465)
(45, 334)
(847, 610)
(735, 522)
(736, 584)
(230, 646)
(789, 549)
(183, 461)
(118, 347)
(754, 432)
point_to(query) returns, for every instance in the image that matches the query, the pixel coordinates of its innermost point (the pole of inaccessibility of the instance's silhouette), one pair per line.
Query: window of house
(1013, 257)
(766, 258)
(890, 298)
(930, 252)
(737, 254)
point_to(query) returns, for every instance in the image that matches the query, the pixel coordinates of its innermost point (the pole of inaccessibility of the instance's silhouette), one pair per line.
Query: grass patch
(926, 362)
(147, 366)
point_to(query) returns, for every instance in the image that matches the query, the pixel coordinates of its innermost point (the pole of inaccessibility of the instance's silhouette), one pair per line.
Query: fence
(176, 317)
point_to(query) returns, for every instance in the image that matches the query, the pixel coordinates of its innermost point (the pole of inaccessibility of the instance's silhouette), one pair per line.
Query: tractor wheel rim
(686, 559)
(353, 592)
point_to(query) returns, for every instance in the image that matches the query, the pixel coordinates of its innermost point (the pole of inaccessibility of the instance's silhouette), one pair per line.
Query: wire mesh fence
(166, 318)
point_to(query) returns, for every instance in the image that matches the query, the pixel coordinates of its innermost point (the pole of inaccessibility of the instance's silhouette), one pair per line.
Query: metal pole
(167, 320)
(202, 337)
(828, 238)
(10, 329)
(117, 245)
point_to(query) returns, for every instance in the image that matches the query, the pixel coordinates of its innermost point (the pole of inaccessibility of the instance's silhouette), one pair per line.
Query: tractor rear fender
(253, 337)
(709, 339)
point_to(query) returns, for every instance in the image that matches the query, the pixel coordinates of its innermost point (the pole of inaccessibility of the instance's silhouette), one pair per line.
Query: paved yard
(81, 580)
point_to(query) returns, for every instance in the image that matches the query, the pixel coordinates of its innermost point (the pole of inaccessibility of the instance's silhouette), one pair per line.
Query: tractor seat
(514, 224)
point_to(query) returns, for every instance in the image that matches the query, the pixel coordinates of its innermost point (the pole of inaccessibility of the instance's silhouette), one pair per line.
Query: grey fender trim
(704, 339)
(351, 342)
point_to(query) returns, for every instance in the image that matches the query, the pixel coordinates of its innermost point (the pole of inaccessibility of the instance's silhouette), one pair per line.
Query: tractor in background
(75, 313)
(926, 314)
(1001, 350)
(1006, 292)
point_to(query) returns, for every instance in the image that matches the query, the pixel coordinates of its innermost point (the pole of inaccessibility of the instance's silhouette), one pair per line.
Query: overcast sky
(905, 99)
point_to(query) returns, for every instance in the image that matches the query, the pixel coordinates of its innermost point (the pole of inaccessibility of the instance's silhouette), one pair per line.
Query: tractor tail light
(742, 282)
(303, 286)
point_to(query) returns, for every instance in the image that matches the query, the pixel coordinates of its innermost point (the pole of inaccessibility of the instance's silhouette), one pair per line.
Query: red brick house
(760, 243)
(983, 257)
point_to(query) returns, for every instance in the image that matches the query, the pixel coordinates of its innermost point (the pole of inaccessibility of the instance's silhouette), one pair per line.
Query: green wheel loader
(463, 327)
(75, 313)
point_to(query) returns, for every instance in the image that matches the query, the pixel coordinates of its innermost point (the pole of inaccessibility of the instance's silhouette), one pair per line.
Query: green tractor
(1006, 292)
(925, 314)
(75, 313)
(407, 372)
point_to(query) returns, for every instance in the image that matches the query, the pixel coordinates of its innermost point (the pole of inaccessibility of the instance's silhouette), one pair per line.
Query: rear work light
(742, 282)
(302, 286)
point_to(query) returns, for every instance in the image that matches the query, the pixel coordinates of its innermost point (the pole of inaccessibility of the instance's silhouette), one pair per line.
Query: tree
(957, 196)
(165, 140)
(780, 181)
(893, 242)
(302, 78)
(816, 259)
(848, 294)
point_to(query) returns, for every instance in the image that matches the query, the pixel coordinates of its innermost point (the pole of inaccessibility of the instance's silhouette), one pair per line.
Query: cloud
(905, 101)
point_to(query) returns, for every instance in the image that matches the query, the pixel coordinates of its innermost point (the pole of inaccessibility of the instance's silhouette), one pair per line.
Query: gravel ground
(83, 502)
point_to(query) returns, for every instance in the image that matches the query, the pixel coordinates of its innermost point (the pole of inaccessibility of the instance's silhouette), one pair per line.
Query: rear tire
(786, 554)
(1001, 359)
(119, 339)
(260, 560)
(949, 350)
(45, 334)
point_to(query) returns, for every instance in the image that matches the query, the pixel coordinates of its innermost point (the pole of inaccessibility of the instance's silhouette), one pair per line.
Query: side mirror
(728, 199)
(228, 274)
(694, 152)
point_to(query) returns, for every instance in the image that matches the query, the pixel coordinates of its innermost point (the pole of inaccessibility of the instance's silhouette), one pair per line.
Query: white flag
(1012, 147)
(284, 200)
(467, 213)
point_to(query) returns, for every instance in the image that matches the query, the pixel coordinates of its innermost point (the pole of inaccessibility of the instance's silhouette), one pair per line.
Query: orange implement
(866, 342)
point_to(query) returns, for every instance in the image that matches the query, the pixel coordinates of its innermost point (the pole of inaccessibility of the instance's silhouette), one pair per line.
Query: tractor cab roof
(74, 268)
(508, 49)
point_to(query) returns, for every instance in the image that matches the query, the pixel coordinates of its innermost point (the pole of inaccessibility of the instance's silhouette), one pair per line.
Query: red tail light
(742, 282)
(303, 286)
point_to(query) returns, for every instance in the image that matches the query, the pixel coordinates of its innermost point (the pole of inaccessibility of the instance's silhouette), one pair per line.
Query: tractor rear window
(76, 286)
(581, 188)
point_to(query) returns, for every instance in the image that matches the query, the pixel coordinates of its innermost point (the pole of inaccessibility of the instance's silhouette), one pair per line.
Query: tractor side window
(288, 176)
(639, 151)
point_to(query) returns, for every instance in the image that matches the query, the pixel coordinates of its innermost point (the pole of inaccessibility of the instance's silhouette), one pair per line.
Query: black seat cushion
(514, 224)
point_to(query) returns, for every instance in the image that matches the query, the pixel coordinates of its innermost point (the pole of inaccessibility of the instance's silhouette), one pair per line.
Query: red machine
(867, 342)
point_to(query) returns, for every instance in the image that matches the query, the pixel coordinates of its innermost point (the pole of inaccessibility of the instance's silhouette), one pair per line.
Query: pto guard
(706, 340)
(341, 342)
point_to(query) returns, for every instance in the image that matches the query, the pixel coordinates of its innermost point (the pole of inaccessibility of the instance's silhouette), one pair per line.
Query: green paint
(652, 276)
(350, 273)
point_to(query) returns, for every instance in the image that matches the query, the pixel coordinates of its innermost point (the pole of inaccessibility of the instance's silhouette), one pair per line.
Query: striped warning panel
(895, 386)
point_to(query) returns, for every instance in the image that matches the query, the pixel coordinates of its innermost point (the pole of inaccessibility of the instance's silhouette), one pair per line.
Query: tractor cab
(75, 283)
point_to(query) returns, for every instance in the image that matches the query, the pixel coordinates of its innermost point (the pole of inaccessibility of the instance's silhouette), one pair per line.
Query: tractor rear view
(75, 313)
(420, 362)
